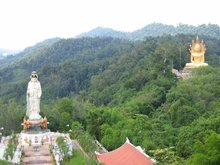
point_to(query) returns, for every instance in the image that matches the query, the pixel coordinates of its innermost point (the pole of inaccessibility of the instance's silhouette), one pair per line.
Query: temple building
(197, 51)
(127, 154)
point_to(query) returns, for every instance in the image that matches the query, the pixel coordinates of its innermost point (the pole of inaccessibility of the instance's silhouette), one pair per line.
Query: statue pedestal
(187, 71)
(35, 132)
(36, 137)
(195, 65)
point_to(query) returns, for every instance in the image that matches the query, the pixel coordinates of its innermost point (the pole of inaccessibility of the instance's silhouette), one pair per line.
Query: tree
(167, 156)
(207, 152)
(65, 121)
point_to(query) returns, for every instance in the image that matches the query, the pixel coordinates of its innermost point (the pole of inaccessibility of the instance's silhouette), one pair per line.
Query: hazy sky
(25, 22)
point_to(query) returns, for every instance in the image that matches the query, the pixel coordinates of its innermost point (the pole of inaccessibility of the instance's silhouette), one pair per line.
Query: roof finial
(127, 140)
(197, 39)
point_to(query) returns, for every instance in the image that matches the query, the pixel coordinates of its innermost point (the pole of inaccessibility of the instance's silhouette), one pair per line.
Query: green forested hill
(66, 65)
(110, 89)
(13, 58)
(156, 29)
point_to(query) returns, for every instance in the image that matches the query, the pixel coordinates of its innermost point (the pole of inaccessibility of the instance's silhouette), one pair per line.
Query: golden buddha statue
(197, 50)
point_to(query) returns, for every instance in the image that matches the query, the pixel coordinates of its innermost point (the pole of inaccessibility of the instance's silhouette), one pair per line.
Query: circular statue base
(195, 65)
(34, 137)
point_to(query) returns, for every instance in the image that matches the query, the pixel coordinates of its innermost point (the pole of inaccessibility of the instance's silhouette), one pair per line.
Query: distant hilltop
(155, 29)
(5, 52)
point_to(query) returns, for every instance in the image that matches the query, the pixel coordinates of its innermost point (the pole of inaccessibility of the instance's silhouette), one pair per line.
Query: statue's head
(34, 76)
(197, 48)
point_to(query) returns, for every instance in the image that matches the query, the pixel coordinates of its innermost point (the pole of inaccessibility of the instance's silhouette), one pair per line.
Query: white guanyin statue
(33, 97)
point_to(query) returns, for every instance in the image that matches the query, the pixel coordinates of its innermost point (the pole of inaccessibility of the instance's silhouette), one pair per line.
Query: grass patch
(2, 162)
(78, 159)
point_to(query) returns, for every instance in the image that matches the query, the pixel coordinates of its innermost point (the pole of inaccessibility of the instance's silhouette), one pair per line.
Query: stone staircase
(37, 155)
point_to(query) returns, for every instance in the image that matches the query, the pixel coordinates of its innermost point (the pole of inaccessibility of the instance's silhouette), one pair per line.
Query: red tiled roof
(127, 154)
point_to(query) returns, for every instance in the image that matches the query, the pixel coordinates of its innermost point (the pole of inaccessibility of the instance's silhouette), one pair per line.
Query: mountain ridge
(103, 32)
(154, 30)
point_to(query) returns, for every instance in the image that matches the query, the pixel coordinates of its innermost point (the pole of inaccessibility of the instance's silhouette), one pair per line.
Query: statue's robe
(33, 100)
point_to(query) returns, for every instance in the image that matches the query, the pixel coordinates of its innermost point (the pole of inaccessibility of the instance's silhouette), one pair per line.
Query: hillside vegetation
(110, 89)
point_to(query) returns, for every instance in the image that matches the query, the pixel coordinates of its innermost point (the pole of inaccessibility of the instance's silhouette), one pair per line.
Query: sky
(23, 23)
